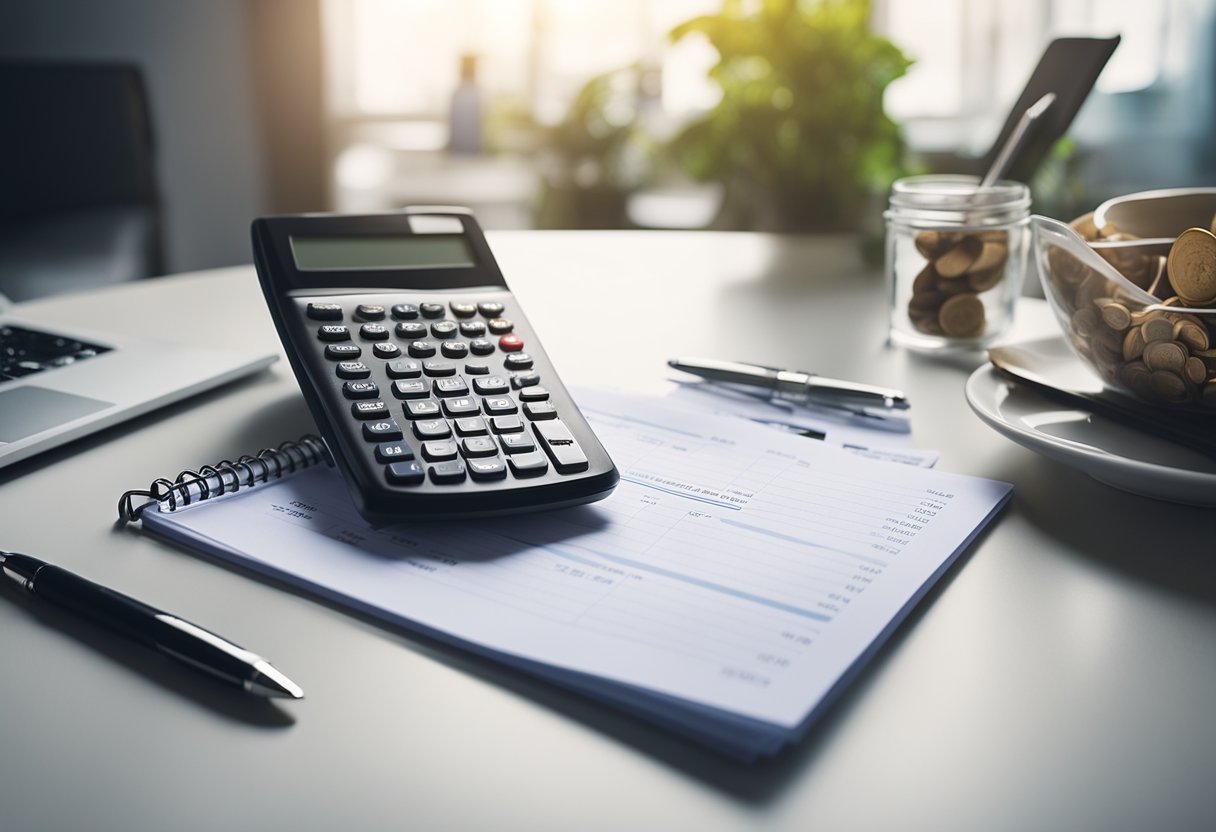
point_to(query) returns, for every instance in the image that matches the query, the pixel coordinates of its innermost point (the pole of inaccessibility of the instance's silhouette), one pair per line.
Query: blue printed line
(688, 579)
(687, 496)
(789, 538)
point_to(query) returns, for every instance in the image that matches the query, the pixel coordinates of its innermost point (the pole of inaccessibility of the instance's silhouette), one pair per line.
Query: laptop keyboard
(24, 352)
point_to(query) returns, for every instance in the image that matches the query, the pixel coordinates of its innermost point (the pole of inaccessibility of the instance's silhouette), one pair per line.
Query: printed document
(736, 577)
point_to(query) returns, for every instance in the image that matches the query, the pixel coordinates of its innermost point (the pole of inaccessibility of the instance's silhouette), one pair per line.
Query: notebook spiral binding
(225, 476)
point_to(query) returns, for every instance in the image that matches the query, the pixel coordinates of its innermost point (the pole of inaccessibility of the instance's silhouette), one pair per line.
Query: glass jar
(955, 261)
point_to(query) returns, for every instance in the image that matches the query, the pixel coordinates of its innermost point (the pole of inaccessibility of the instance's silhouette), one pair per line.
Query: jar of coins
(956, 258)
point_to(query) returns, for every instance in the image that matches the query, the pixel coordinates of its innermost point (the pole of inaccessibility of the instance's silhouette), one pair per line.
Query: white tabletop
(1061, 675)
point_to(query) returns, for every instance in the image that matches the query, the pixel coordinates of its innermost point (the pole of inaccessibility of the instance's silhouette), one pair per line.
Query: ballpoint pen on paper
(147, 625)
(861, 400)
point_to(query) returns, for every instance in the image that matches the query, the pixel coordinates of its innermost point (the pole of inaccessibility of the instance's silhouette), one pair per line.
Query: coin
(1195, 370)
(1193, 335)
(1165, 355)
(958, 259)
(1157, 327)
(1192, 266)
(962, 315)
(1133, 344)
(1168, 385)
(1114, 314)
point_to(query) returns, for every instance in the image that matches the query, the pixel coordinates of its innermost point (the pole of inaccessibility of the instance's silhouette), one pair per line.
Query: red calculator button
(510, 343)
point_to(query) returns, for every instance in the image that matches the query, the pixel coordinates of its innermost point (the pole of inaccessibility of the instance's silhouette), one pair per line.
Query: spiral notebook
(735, 581)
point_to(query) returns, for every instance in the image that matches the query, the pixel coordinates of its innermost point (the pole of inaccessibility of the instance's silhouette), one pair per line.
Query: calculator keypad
(458, 399)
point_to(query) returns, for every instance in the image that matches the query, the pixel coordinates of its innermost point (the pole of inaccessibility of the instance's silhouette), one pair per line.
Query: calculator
(430, 388)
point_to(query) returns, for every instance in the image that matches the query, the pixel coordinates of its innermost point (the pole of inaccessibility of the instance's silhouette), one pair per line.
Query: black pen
(149, 626)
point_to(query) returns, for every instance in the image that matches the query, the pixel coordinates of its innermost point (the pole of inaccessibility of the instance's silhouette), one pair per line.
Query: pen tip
(268, 681)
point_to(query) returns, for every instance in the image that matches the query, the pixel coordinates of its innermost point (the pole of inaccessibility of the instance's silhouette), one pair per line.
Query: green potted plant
(799, 137)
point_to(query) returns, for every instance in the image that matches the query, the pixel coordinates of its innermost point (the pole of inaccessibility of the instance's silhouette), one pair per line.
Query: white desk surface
(1061, 677)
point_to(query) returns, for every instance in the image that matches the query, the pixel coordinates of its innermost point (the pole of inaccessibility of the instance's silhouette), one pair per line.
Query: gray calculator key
(506, 424)
(559, 443)
(472, 446)
(461, 406)
(534, 394)
(421, 409)
(539, 411)
(412, 389)
(432, 429)
(444, 473)
(453, 386)
(487, 468)
(490, 385)
(439, 450)
(404, 368)
(472, 426)
(529, 464)
(517, 443)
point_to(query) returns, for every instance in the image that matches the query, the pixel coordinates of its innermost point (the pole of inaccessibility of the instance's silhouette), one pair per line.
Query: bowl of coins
(1133, 286)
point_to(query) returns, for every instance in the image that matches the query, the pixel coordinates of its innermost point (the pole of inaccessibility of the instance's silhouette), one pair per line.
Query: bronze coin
(1192, 266)
(962, 316)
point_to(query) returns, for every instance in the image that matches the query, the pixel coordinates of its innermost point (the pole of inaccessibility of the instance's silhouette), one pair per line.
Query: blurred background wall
(575, 113)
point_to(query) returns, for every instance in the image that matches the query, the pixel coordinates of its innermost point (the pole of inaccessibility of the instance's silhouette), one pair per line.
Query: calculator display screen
(400, 251)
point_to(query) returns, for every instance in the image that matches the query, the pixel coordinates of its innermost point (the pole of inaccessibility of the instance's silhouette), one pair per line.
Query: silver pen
(797, 387)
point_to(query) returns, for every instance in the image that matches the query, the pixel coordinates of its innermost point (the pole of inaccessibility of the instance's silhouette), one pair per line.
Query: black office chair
(79, 203)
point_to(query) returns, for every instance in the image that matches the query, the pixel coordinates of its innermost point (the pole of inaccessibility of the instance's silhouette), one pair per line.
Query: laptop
(58, 384)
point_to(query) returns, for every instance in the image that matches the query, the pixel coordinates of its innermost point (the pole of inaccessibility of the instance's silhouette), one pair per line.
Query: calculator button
(488, 468)
(471, 426)
(353, 369)
(422, 349)
(421, 409)
(411, 389)
(472, 446)
(527, 379)
(432, 429)
(490, 385)
(405, 368)
(499, 406)
(439, 368)
(476, 369)
(557, 441)
(443, 329)
(386, 430)
(455, 386)
(538, 411)
(333, 332)
(436, 451)
(404, 473)
(462, 406)
(431, 310)
(404, 311)
(491, 309)
(463, 310)
(533, 394)
(393, 452)
(510, 343)
(472, 329)
(374, 332)
(369, 410)
(500, 326)
(446, 473)
(385, 350)
(325, 311)
(506, 424)
(360, 390)
(480, 346)
(341, 352)
(517, 443)
(518, 361)
(411, 330)
(528, 464)
(454, 349)
(370, 312)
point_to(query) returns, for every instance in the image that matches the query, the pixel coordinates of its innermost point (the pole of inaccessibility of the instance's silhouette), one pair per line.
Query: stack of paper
(733, 582)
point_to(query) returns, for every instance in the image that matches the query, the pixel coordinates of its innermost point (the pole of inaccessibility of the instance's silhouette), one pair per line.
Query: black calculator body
(425, 378)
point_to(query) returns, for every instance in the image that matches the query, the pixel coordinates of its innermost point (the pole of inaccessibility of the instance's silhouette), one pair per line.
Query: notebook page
(735, 566)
